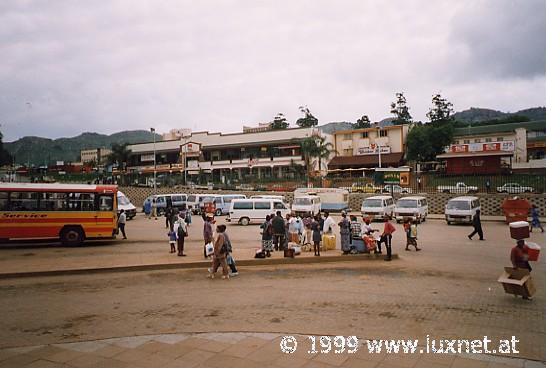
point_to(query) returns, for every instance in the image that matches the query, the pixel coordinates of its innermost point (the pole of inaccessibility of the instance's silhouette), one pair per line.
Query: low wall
(491, 203)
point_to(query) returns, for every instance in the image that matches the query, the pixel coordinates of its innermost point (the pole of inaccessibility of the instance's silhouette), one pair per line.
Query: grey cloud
(502, 38)
(216, 65)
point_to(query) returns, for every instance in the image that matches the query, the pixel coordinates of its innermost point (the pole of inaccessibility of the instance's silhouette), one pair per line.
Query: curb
(196, 265)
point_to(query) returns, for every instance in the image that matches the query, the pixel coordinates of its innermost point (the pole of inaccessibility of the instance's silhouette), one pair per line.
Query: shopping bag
(209, 249)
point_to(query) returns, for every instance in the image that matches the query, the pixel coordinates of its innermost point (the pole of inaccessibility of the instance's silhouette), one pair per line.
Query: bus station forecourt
(448, 290)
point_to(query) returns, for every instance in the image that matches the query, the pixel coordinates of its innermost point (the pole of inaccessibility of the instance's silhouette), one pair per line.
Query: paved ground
(448, 290)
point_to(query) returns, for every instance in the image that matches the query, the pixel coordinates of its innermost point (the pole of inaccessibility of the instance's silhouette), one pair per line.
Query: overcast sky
(72, 66)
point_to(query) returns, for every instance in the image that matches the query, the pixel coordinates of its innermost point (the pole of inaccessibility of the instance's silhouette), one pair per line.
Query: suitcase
(297, 250)
(533, 251)
(328, 241)
(519, 230)
(289, 253)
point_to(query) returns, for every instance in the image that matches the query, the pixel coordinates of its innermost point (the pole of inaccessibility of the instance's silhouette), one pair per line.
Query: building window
(383, 133)
(466, 141)
(477, 140)
(500, 139)
(347, 152)
(364, 135)
(487, 140)
(347, 137)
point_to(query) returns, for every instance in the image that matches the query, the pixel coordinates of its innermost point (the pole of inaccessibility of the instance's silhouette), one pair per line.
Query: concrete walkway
(229, 350)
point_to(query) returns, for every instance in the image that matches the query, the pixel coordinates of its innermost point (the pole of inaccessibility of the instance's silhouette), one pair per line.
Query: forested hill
(474, 114)
(43, 151)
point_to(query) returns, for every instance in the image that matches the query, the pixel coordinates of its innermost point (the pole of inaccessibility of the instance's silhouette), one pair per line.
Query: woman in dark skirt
(315, 227)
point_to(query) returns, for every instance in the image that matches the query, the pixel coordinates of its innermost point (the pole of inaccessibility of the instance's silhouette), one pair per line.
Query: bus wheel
(245, 221)
(71, 236)
(218, 212)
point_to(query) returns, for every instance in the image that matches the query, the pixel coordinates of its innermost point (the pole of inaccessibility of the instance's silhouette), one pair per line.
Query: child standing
(407, 231)
(172, 240)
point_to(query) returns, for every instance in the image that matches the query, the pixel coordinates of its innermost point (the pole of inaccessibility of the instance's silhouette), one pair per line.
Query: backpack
(180, 231)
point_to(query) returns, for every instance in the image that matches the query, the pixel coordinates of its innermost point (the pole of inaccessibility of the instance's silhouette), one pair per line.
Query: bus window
(53, 202)
(23, 201)
(106, 202)
(81, 202)
(4, 201)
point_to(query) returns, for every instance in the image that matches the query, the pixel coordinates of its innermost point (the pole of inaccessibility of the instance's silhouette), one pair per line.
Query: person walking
(315, 227)
(267, 236)
(535, 219)
(169, 217)
(181, 234)
(188, 217)
(520, 258)
(386, 238)
(279, 231)
(308, 233)
(154, 208)
(407, 226)
(121, 223)
(345, 233)
(220, 254)
(148, 209)
(207, 233)
(328, 224)
(413, 235)
(229, 256)
(477, 223)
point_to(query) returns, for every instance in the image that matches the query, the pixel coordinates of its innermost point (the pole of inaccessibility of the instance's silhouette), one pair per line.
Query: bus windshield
(372, 203)
(406, 203)
(303, 201)
(458, 205)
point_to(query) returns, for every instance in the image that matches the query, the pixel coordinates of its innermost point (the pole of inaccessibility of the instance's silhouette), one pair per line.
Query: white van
(268, 196)
(461, 209)
(331, 199)
(378, 207)
(194, 200)
(125, 204)
(222, 202)
(414, 207)
(247, 211)
(306, 205)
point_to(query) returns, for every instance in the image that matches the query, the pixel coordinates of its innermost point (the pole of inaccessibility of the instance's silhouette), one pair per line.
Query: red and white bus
(69, 212)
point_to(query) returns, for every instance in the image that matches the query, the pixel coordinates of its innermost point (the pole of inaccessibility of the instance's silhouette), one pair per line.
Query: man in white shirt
(329, 223)
(121, 223)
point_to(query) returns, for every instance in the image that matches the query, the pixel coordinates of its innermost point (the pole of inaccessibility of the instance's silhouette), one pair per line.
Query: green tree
(441, 111)
(400, 110)
(315, 147)
(418, 144)
(279, 122)
(309, 120)
(119, 156)
(363, 122)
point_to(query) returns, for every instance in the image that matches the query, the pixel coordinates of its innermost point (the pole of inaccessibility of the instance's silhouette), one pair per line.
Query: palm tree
(119, 156)
(315, 147)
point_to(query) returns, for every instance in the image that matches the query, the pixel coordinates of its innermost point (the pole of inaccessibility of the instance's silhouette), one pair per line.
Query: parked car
(247, 211)
(459, 188)
(514, 188)
(461, 209)
(415, 208)
(394, 188)
(365, 188)
(380, 207)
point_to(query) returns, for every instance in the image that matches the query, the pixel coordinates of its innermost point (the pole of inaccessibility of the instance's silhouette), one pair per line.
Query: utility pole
(155, 166)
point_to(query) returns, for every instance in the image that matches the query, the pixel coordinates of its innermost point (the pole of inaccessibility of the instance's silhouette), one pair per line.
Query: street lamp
(152, 130)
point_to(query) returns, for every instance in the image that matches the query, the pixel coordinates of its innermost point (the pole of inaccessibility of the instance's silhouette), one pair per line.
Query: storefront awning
(364, 161)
